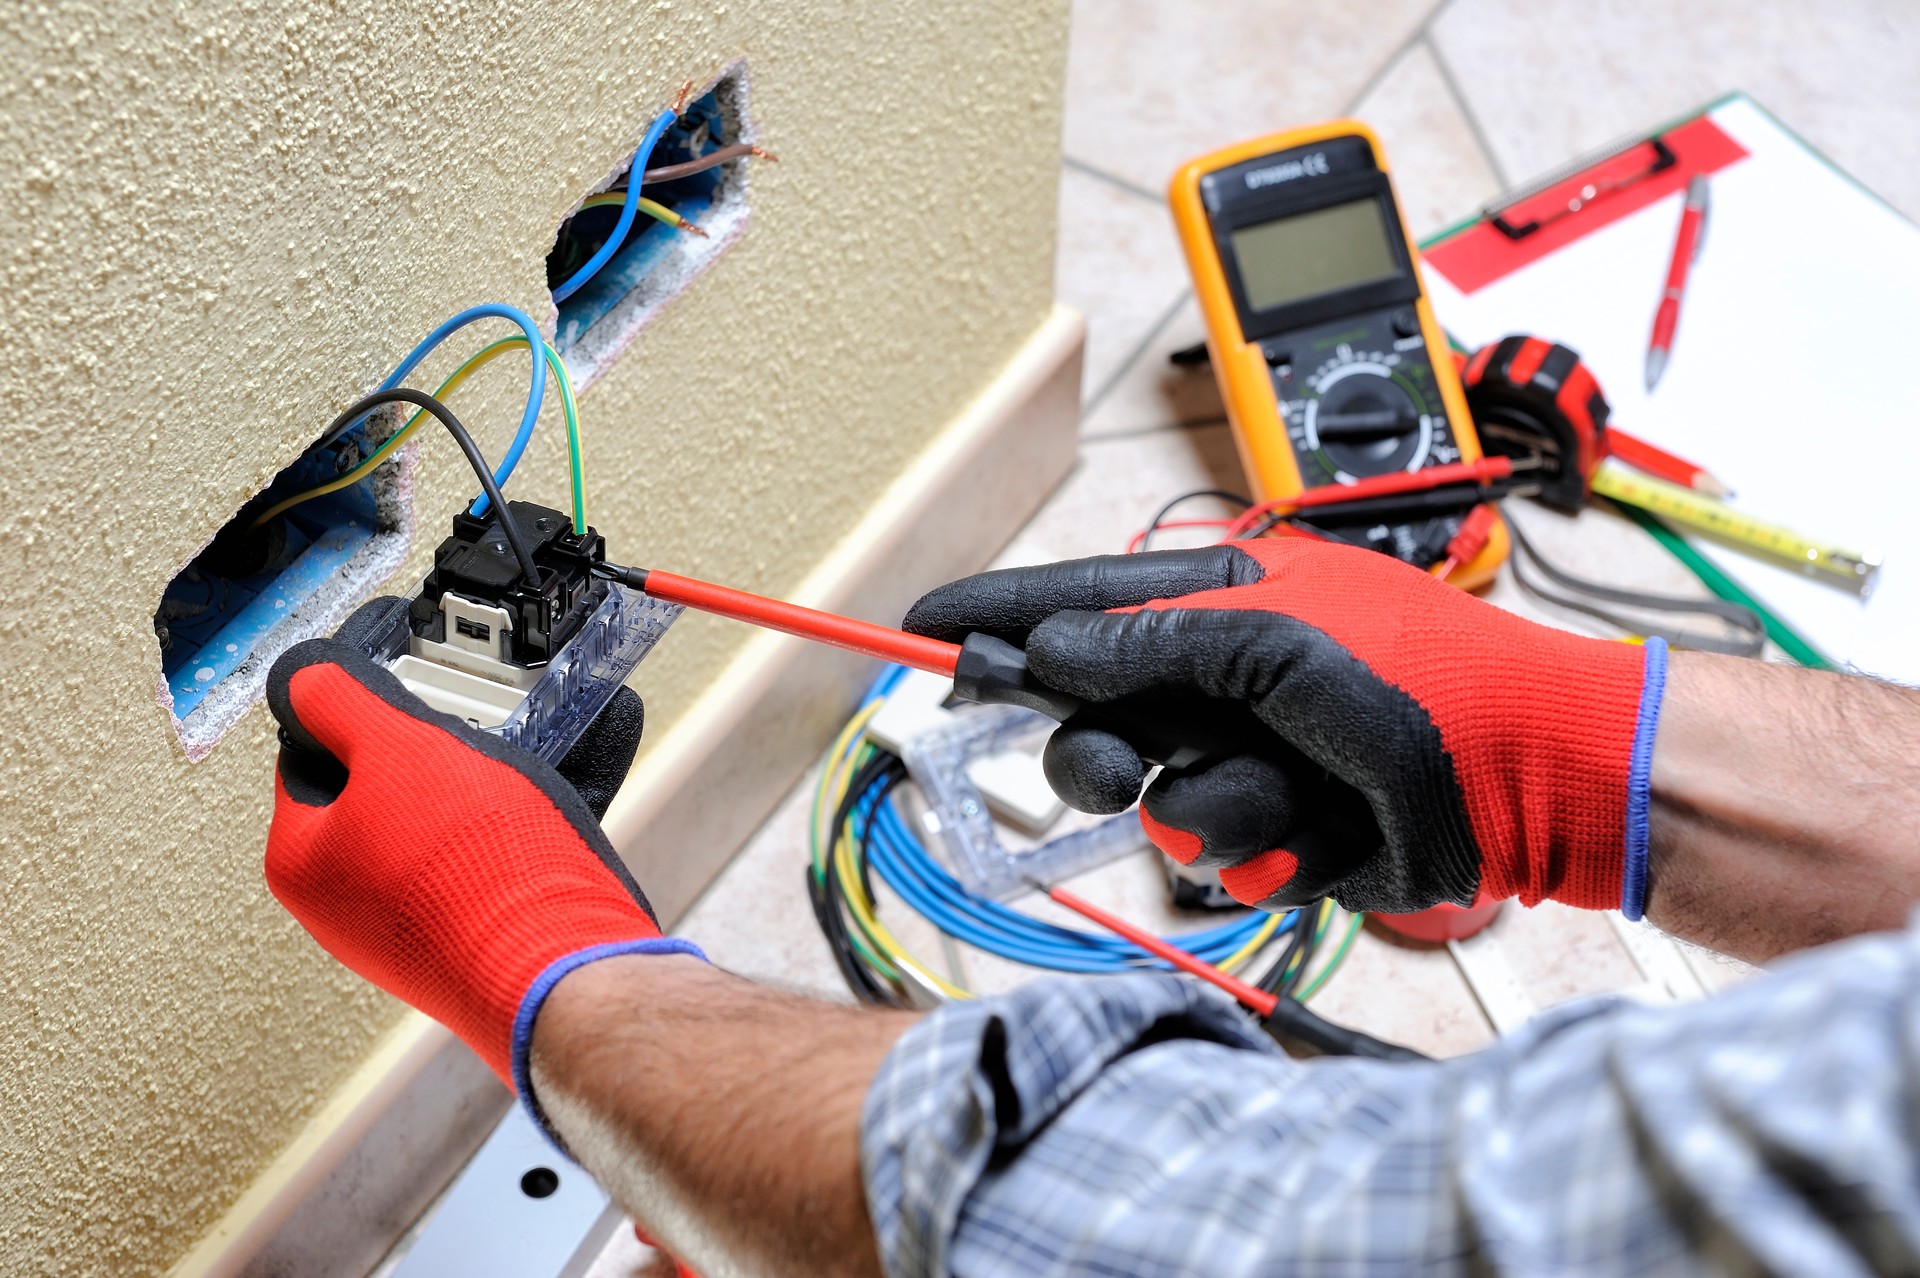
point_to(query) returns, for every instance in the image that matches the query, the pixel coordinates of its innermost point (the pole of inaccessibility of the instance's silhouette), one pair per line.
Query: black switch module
(477, 563)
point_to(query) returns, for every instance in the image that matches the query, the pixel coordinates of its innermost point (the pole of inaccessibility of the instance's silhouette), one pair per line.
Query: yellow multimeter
(1327, 353)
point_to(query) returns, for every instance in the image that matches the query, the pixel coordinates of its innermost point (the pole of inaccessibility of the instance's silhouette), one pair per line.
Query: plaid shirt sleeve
(1141, 1125)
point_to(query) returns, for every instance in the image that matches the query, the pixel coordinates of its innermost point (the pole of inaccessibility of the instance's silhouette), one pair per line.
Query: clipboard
(1788, 378)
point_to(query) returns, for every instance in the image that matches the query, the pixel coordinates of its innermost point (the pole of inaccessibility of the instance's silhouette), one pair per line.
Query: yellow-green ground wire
(476, 361)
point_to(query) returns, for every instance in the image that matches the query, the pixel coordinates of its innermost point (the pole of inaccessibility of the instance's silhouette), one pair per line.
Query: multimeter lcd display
(1302, 256)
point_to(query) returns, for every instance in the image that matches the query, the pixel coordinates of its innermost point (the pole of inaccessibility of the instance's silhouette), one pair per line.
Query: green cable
(386, 450)
(820, 870)
(1725, 587)
(1346, 943)
(559, 368)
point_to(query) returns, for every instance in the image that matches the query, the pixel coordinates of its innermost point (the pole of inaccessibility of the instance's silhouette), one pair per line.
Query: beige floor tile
(1548, 79)
(1440, 173)
(1152, 83)
(1152, 393)
(1118, 486)
(1406, 993)
(1561, 953)
(1119, 264)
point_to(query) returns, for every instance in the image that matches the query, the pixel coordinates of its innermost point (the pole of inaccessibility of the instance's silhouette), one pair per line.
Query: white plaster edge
(597, 349)
(1022, 429)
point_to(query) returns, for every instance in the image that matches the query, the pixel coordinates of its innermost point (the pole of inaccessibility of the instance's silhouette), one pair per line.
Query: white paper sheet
(1793, 376)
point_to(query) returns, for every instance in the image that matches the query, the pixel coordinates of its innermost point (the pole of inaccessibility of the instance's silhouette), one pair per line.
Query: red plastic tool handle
(863, 637)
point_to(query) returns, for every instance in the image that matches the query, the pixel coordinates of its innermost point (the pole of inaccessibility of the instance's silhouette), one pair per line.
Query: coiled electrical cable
(866, 836)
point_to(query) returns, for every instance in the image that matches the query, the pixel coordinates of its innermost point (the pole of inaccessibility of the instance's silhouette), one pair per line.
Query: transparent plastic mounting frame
(980, 858)
(577, 684)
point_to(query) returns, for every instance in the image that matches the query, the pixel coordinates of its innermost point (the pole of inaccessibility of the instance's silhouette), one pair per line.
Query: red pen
(1686, 247)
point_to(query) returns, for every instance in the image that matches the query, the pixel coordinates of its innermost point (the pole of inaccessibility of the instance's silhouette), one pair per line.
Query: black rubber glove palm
(1409, 744)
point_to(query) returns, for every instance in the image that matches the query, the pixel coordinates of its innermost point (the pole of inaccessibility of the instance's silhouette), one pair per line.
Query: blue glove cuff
(1633, 882)
(543, 985)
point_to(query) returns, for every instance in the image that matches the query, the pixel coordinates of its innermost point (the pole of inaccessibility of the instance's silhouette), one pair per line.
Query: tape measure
(1330, 362)
(1856, 572)
(1534, 398)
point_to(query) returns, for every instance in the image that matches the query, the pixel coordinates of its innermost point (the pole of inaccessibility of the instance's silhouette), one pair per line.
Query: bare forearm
(1786, 806)
(725, 1117)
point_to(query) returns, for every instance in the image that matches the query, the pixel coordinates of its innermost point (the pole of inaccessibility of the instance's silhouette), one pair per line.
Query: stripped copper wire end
(695, 227)
(761, 153)
(680, 102)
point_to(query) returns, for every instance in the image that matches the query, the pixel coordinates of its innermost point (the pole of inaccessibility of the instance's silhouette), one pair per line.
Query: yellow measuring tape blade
(1685, 506)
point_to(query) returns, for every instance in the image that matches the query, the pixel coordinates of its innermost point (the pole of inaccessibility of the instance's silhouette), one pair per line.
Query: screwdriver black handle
(1177, 733)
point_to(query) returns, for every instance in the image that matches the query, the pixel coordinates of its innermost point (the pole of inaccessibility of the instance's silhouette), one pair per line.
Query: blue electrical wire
(904, 865)
(627, 210)
(927, 888)
(534, 394)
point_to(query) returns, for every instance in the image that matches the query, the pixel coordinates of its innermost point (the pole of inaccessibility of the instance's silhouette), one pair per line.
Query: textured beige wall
(220, 222)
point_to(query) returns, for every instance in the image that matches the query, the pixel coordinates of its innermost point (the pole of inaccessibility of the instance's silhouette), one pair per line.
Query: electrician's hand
(456, 872)
(1426, 745)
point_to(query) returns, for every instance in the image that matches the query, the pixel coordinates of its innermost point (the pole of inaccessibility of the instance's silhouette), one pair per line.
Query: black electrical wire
(444, 415)
(882, 770)
(1275, 979)
(1751, 631)
(1153, 525)
(1295, 1022)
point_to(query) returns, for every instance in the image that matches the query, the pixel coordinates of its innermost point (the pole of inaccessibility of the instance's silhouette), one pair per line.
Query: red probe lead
(863, 637)
(1251, 997)
(1485, 471)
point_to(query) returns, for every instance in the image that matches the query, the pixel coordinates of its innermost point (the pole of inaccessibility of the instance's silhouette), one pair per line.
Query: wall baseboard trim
(373, 1158)
(702, 790)
(399, 1129)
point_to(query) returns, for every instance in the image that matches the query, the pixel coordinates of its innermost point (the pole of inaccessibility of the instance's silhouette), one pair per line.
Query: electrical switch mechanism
(1329, 359)
(531, 657)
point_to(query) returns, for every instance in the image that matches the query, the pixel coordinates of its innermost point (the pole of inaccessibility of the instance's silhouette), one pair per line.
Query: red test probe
(1284, 1019)
(1488, 470)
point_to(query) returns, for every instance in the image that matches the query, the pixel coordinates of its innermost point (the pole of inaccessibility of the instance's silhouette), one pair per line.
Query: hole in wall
(253, 592)
(655, 261)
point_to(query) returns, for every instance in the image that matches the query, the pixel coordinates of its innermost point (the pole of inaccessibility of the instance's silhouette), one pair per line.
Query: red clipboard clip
(1579, 185)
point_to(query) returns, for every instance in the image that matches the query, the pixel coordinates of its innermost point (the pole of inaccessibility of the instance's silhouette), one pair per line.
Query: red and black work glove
(456, 872)
(1424, 746)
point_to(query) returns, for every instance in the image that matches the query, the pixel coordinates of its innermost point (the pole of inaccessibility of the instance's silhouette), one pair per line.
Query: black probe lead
(420, 399)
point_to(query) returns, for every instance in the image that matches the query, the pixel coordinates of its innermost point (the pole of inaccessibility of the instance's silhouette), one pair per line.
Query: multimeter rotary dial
(1363, 413)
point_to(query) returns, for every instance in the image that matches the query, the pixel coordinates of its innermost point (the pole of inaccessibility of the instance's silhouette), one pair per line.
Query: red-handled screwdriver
(863, 637)
(1173, 733)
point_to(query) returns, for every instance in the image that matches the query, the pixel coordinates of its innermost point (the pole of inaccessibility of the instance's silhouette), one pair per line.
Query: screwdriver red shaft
(863, 637)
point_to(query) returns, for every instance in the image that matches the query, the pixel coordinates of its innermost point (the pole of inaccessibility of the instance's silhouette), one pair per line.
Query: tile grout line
(1400, 51)
(1466, 110)
(1101, 175)
(1163, 428)
(1133, 356)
